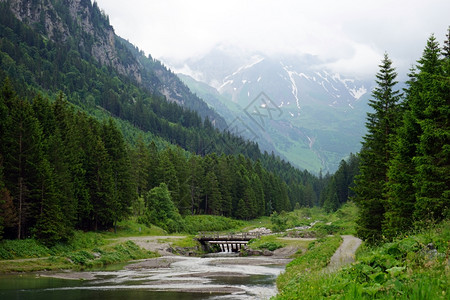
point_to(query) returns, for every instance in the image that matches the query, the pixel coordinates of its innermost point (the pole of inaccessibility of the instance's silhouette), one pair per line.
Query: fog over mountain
(310, 115)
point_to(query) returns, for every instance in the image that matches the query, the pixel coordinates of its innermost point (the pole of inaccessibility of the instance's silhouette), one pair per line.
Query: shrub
(81, 257)
(272, 246)
(269, 242)
(22, 249)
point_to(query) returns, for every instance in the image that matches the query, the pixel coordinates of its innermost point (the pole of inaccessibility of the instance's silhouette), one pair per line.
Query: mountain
(310, 116)
(90, 125)
(82, 25)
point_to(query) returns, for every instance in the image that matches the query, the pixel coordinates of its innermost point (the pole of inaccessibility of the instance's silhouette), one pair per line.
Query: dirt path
(345, 254)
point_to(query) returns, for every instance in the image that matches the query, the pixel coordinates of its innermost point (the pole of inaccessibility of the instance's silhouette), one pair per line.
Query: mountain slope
(312, 117)
(85, 29)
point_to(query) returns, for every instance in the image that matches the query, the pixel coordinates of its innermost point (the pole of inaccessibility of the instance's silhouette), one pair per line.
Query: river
(180, 278)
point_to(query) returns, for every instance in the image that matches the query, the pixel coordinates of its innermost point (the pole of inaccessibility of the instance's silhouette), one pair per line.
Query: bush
(324, 229)
(279, 221)
(28, 248)
(268, 242)
(272, 246)
(81, 257)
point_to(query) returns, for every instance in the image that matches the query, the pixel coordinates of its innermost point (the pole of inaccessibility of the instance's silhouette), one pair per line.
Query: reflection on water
(199, 278)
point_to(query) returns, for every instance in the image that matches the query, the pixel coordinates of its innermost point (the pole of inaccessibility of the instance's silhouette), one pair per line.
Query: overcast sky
(351, 36)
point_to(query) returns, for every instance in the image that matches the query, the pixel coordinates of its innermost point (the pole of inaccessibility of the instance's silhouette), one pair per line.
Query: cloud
(351, 35)
(363, 62)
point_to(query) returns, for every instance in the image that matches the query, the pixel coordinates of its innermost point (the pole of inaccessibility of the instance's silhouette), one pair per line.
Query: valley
(315, 119)
(254, 153)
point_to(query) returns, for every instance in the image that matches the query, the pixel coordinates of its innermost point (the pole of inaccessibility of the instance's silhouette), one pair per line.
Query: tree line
(61, 170)
(404, 173)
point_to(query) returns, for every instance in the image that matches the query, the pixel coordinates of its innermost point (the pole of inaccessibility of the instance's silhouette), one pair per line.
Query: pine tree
(8, 217)
(124, 189)
(376, 152)
(140, 163)
(101, 186)
(259, 194)
(51, 227)
(241, 210)
(167, 174)
(153, 165)
(405, 183)
(432, 162)
(161, 210)
(225, 178)
(178, 158)
(58, 154)
(78, 141)
(213, 197)
(23, 154)
(195, 182)
(309, 197)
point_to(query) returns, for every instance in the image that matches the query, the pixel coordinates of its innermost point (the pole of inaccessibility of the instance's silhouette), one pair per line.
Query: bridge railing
(228, 236)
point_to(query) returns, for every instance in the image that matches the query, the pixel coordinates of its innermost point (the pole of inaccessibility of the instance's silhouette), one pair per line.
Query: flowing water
(186, 278)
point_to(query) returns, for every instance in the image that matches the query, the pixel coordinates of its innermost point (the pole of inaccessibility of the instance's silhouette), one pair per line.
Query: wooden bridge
(227, 242)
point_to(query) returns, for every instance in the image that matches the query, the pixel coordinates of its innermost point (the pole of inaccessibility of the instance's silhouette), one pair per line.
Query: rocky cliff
(51, 19)
(85, 28)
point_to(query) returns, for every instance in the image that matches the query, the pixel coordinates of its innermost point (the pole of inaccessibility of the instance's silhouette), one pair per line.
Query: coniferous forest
(404, 170)
(84, 145)
(68, 161)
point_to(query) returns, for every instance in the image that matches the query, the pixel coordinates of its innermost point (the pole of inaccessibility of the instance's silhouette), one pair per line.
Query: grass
(343, 221)
(255, 223)
(97, 249)
(11, 249)
(83, 250)
(291, 283)
(31, 248)
(414, 266)
(131, 227)
(79, 259)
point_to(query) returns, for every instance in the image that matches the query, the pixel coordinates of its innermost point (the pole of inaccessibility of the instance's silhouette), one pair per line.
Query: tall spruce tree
(22, 149)
(51, 226)
(140, 162)
(195, 182)
(376, 151)
(432, 162)
(124, 189)
(417, 168)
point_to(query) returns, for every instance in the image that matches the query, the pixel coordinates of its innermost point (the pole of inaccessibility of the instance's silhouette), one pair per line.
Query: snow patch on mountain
(324, 87)
(355, 92)
(304, 76)
(254, 60)
(227, 82)
(293, 84)
(323, 77)
(358, 93)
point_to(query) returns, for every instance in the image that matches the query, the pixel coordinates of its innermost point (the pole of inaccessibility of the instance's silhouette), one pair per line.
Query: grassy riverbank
(414, 266)
(96, 249)
(84, 250)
